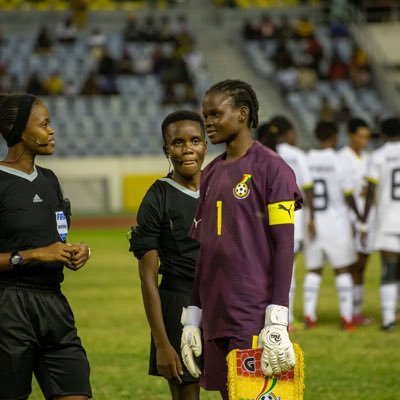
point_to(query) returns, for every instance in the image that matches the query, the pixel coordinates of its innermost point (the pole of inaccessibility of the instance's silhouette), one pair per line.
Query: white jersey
(331, 183)
(296, 158)
(356, 166)
(384, 171)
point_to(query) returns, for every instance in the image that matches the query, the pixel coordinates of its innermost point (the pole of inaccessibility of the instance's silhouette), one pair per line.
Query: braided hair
(180, 115)
(8, 113)
(242, 94)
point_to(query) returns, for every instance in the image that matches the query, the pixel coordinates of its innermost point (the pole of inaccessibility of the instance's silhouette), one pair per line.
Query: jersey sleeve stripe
(281, 212)
(308, 186)
(348, 192)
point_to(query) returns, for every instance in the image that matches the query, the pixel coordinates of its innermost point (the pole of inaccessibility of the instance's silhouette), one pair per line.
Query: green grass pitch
(106, 299)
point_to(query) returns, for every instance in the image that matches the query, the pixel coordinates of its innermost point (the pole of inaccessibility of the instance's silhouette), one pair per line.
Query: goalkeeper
(244, 223)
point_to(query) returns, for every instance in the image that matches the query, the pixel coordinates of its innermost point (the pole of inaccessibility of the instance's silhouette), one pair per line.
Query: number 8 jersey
(384, 170)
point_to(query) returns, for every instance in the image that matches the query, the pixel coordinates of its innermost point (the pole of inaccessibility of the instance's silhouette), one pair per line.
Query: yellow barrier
(134, 188)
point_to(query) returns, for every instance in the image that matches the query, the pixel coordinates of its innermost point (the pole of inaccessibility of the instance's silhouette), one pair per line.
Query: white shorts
(339, 253)
(387, 242)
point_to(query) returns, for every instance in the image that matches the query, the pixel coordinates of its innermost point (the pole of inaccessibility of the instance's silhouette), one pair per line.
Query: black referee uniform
(164, 219)
(37, 327)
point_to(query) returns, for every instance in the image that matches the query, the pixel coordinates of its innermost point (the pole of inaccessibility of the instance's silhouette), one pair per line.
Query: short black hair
(390, 127)
(281, 123)
(356, 123)
(242, 94)
(325, 130)
(181, 115)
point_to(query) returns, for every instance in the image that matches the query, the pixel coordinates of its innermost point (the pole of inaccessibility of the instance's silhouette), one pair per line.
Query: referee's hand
(168, 363)
(81, 253)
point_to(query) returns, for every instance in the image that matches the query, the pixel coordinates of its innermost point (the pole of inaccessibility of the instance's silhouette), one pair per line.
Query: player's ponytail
(8, 113)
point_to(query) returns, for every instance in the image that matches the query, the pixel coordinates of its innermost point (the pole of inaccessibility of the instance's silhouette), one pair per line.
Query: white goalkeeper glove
(278, 353)
(191, 338)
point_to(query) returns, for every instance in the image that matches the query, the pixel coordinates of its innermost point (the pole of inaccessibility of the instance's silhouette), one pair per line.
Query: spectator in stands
(66, 32)
(44, 43)
(343, 113)
(315, 50)
(54, 84)
(338, 29)
(282, 56)
(265, 28)
(287, 79)
(165, 30)
(249, 30)
(106, 64)
(131, 30)
(149, 31)
(284, 29)
(34, 84)
(126, 65)
(307, 77)
(159, 61)
(96, 42)
(91, 85)
(304, 28)
(326, 111)
(338, 69)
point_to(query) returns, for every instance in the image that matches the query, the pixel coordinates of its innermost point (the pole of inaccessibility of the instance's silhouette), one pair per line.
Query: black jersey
(164, 220)
(31, 216)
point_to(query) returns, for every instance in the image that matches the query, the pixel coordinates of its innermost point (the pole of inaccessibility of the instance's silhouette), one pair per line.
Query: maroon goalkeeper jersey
(244, 223)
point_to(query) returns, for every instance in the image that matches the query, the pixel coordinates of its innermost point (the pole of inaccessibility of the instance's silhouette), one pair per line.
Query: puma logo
(196, 222)
(282, 207)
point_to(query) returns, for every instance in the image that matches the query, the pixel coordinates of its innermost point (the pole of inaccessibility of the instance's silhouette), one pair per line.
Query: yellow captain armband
(281, 212)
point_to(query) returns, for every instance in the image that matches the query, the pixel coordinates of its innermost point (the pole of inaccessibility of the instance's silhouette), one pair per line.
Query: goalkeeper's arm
(278, 353)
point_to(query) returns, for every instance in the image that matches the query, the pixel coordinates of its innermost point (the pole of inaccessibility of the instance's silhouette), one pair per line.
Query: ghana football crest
(242, 190)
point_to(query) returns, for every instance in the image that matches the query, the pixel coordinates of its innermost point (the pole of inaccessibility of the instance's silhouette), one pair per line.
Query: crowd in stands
(318, 65)
(170, 55)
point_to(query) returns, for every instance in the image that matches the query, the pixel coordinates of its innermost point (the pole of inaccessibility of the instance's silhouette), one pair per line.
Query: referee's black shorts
(175, 293)
(38, 335)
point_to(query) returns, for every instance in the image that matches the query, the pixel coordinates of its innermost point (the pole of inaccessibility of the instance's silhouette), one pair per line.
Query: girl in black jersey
(162, 244)
(37, 328)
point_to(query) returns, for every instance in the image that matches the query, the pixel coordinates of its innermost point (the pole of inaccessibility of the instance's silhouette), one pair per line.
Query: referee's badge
(62, 226)
(242, 190)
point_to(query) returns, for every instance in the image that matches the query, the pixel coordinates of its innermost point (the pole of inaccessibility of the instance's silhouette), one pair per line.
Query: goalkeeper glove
(278, 353)
(191, 338)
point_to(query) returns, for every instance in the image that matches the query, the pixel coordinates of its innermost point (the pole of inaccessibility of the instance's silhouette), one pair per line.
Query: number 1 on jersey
(219, 217)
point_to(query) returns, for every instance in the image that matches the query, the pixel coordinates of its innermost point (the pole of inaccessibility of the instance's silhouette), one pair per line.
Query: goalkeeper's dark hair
(242, 94)
(325, 130)
(356, 123)
(181, 115)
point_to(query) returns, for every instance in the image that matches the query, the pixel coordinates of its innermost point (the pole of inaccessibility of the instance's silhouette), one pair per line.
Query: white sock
(358, 298)
(312, 282)
(388, 292)
(292, 292)
(344, 288)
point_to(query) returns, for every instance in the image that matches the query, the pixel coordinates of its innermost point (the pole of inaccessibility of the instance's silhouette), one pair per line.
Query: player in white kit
(333, 235)
(384, 186)
(356, 160)
(280, 135)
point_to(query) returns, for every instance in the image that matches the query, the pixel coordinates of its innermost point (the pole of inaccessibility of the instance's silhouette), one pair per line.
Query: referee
(37, 327)
(162, 244)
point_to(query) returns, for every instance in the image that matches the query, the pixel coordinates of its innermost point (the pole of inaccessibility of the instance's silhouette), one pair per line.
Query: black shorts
(38, 335)
(175, 293)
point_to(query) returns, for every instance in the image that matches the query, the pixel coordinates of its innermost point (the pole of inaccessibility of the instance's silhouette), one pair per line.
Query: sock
(388, 293)
(292, 292)
(358, 297)
(312, 282)
(344, 288)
